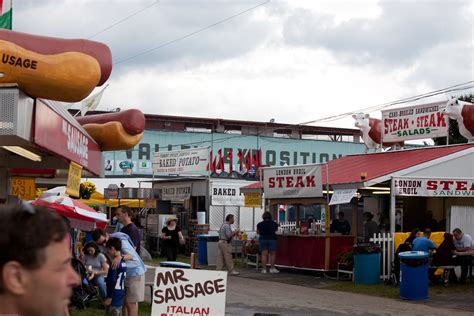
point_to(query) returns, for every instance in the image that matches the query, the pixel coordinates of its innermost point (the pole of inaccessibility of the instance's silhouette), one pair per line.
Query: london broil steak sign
(180, 292)
(293, 182)
(434, 187)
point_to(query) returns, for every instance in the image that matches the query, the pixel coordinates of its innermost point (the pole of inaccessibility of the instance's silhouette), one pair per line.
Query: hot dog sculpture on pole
(68, 70)
(115, 131)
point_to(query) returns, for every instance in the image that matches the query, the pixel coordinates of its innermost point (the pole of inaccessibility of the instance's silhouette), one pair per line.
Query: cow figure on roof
(371, 131)
(463, 113)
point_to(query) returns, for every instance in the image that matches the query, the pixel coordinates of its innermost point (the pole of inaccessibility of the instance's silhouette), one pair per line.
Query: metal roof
(348, 169)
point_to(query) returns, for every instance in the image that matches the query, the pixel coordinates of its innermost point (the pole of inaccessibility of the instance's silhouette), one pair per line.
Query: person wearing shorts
(135, 279)
(266, 229)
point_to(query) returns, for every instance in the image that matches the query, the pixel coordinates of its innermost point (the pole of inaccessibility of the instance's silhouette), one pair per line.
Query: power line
(124, 19)
(190, 34)
(457, 87)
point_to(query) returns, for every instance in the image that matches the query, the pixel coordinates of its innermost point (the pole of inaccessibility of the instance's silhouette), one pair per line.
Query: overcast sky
(293, 61)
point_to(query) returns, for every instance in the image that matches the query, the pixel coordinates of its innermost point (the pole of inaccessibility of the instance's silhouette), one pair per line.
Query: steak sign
(435, 187)
(302, 181)
(416, 122)
(189, 292)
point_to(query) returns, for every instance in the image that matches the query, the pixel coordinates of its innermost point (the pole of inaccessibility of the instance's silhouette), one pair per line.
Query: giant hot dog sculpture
(53, 68)
(115, 131)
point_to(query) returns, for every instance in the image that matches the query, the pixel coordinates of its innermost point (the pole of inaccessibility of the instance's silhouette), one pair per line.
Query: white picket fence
(385, 241)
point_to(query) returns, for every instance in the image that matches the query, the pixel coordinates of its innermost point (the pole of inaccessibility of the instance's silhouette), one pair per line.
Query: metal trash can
(212, 249)
(366, 263)
(175, 264)
(202, 249)
(413, 275)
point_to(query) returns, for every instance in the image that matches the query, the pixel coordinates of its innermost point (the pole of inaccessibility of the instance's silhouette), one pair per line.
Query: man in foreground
(35, 261)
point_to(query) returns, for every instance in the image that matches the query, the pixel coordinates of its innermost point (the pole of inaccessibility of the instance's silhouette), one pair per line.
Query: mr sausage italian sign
(189, 292)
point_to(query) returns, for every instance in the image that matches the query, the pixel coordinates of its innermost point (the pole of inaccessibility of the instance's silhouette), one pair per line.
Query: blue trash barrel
(175, 264)
(202, 249)
(366, 264)
(413, 275)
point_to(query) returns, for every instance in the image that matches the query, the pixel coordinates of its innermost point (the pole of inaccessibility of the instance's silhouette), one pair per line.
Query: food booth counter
(309, 249)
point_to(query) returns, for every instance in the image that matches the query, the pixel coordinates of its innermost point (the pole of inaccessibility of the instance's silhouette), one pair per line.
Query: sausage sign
(189, 292)
(416, 122)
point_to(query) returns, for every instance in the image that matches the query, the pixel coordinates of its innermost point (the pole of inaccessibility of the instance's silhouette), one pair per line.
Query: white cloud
(294, 61)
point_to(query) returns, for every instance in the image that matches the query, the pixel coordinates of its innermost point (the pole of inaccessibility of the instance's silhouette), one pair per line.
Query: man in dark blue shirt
(266, 229)
(115, 279)
(124, 215)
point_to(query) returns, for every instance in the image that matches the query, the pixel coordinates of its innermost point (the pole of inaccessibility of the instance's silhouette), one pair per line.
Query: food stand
(301, 185)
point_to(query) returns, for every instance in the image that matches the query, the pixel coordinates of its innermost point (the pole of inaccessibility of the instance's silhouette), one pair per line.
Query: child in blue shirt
(115, 279)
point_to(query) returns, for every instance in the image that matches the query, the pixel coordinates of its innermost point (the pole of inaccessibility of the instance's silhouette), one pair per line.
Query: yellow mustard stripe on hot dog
(112, 136)
(68, 77)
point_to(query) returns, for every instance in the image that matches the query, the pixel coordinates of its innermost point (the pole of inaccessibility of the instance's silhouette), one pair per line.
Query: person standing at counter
(266, 229)
(224, 250)
(340, 225)
(370, 227)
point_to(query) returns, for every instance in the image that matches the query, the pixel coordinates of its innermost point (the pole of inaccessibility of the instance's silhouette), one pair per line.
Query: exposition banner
(226, 194)
(174, 192)
(188, 292)
(193, 160)
(415, 122)
(434, 187)
(293, 182)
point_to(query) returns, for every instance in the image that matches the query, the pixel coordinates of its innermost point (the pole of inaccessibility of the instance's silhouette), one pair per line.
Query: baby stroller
(82, 294)
(395, 273)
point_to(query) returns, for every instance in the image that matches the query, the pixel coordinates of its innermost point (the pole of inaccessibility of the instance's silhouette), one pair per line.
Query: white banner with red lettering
(415, 122)
(434, 187)
(188, 292)
(188, 161)
(302, 181)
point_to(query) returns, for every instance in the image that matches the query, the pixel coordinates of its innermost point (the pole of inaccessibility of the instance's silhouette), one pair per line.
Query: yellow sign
(252, 199)
(74, 179)
(150, 203)
(24, 188)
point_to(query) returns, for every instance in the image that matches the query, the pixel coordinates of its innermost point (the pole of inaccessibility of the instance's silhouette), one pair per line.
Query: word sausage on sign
(189, 292)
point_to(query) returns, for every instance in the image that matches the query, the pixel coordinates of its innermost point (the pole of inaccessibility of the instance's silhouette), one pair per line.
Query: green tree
(454, 136)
